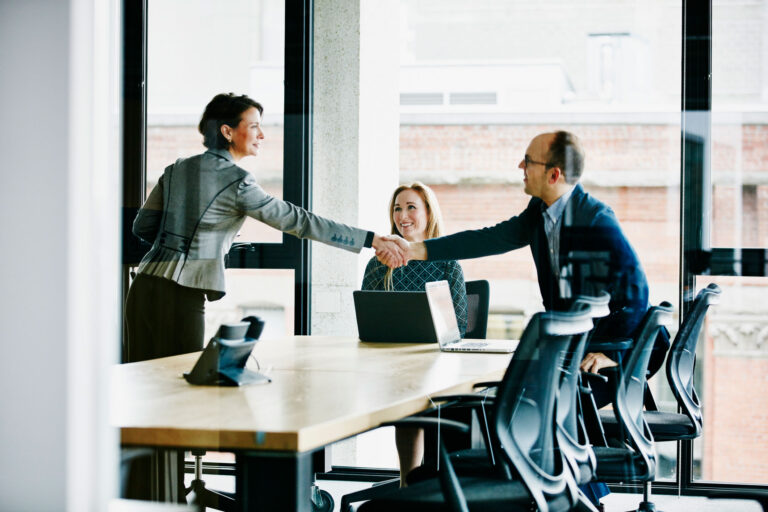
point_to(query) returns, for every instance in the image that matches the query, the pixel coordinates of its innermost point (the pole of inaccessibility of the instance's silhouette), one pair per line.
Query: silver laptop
(447, 329)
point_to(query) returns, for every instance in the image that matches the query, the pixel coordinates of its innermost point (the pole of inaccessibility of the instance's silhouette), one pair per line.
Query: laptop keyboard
(474, 344)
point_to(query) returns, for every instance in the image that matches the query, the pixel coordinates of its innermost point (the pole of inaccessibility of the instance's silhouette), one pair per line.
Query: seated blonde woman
(415, 215)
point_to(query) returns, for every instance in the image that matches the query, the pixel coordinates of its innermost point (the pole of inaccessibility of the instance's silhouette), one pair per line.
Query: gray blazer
(198, 206)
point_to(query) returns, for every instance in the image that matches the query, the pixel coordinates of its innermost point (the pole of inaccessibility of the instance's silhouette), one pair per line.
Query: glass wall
(733, 359)
(197, 49)
(479, 81)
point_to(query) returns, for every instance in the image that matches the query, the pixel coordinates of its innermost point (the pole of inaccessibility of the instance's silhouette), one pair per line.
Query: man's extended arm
(503, 237)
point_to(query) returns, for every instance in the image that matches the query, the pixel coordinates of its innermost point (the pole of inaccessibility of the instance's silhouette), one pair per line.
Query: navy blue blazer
(594, 256)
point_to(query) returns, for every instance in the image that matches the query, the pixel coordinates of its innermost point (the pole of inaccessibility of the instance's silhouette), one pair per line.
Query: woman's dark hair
(223, 109)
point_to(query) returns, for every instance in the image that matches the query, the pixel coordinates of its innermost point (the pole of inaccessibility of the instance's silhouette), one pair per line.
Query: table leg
(274, 481)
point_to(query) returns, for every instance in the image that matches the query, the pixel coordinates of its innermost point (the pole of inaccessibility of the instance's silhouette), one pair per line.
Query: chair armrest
(598, 376)
(610, 345)
(486, 384)
(610, 372)
(465, 397)
(425, 422)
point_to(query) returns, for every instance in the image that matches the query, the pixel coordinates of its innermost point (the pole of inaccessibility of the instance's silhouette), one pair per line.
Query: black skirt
(162, 319)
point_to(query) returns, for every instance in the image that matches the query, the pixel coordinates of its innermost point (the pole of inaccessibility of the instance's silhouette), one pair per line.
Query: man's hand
(412, 250)
(389, 251)
(594, 361)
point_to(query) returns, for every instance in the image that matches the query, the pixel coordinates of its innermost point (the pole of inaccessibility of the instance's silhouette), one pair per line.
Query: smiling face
(410, 215)
(246, 137)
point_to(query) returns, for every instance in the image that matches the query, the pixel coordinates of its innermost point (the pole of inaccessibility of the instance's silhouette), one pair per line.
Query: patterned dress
(414, 276)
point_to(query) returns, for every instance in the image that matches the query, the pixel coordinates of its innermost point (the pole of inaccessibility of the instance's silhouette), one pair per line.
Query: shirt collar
(223, 153)
(556, 209)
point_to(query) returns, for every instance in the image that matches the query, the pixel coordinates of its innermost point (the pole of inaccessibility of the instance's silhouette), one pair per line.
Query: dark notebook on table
(396, 317)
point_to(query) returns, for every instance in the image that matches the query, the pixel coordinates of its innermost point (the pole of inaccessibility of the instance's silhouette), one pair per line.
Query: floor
(613, 503)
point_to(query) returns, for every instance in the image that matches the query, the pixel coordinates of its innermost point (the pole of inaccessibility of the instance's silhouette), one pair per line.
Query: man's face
(535, 173)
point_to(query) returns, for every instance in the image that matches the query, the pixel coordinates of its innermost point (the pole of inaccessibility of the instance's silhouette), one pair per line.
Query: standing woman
(191, 217)
(415, 215)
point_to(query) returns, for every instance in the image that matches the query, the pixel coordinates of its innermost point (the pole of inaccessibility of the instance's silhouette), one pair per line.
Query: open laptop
(447, 329)
(393, 317)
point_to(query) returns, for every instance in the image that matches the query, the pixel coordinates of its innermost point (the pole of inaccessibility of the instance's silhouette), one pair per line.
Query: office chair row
(537, 451)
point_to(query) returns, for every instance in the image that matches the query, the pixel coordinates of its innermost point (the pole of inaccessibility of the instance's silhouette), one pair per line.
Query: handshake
(394, 251)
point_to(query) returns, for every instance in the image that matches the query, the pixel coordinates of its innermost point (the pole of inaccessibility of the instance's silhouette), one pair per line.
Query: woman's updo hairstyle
(223, 109)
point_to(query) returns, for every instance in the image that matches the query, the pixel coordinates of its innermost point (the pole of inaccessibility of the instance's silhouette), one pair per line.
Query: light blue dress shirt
(553, 219)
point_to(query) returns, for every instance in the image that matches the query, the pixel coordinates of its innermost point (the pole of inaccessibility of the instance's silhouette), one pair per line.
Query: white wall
(59, 271)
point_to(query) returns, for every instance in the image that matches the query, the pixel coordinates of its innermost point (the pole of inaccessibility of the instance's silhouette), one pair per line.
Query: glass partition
(197, 49)
(732, 356)
(479, 81)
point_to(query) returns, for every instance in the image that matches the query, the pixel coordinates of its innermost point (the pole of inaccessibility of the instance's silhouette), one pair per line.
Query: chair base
(646, 506)
(322, 501)
(375, 491)
(198, 494)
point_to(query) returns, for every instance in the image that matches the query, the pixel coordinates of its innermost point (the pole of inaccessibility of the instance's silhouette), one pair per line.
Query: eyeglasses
(528, 161)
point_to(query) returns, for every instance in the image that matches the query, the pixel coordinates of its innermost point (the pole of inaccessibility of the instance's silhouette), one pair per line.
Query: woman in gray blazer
(191, 218)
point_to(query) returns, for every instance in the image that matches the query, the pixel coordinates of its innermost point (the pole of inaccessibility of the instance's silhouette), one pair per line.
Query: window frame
(291, 253)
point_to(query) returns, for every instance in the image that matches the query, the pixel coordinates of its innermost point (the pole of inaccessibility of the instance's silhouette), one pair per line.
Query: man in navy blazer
(576, 242)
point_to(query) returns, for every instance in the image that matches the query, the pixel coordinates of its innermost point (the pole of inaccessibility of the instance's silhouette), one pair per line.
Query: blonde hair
(434, 217)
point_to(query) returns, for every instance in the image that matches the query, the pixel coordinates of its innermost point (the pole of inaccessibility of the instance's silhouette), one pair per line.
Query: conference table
(324, 389)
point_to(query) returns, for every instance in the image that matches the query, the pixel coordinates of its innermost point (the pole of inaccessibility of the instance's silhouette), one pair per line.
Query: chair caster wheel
(322, 501)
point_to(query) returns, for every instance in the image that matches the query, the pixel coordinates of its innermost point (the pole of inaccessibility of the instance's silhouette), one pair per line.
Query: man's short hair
(566, 152)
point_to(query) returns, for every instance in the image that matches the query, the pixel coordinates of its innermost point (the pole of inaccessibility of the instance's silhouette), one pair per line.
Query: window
(732, 356)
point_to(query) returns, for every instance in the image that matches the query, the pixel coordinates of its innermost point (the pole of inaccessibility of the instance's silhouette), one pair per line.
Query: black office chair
(571, 432)
(681, 361)
(631, 456)
(570, 424)
(522, 432)
(687, 424)
(478, 298)
(572, 436)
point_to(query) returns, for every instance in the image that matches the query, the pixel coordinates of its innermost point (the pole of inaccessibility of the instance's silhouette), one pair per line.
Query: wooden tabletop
(323, 389)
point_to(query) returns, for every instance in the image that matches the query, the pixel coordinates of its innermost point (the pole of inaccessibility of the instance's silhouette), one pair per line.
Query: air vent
(472, 98)
(421, 98)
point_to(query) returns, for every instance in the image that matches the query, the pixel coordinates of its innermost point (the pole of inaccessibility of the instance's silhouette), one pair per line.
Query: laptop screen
(443, 314)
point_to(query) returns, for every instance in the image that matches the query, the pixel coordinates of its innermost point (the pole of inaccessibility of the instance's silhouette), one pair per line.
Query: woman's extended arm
(253, 201)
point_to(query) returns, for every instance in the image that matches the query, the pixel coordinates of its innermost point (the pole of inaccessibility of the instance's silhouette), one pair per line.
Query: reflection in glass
(732, 358)
(197, 49)
(469, 105)
(266, 293)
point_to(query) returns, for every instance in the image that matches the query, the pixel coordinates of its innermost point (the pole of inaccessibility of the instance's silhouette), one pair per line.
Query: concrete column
(60, 220)
(355, 147)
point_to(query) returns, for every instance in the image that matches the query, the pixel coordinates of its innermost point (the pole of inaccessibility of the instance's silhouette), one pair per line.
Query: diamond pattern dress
(414, 276)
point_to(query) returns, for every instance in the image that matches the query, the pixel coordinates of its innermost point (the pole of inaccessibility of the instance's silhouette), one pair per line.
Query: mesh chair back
(525, 417)
(630, 388)
(572, 435)
(478, 297)
(682, 356)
